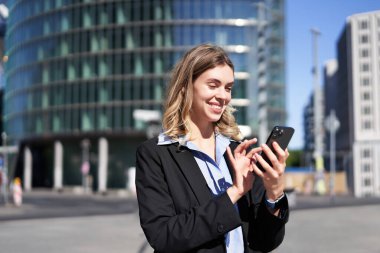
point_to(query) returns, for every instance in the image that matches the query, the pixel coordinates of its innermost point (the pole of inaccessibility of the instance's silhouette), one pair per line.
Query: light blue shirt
(217, 176)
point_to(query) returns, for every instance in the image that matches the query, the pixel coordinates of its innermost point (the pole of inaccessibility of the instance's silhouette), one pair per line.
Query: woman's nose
(222, 93)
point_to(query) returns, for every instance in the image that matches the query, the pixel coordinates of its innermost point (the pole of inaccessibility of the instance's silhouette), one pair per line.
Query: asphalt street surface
(64, 222)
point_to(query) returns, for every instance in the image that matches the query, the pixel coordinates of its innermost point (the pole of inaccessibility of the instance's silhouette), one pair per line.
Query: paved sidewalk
(43, 203)
(63, 222)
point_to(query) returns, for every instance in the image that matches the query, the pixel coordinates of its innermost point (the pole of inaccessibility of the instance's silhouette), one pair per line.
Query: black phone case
(281, 135)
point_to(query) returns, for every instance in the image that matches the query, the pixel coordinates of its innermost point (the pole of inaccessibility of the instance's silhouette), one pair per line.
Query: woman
(194, 195)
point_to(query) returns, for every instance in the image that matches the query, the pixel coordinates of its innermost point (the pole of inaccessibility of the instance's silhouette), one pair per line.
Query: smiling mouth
(216, 108)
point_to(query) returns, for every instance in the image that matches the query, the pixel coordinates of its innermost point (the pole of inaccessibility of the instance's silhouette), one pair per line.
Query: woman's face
(211, 94)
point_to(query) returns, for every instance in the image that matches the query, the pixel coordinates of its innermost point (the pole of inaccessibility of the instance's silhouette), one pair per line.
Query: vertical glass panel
(103, 67)
(58, 3)
(83, 93)
(30, 101)
(86, 68)
(157, 11)
(75, 93)
(119, 38)
(127, 116)
(47, 5)
(103, 40)
(45, 99)
(168, 11)
(118, 64)
(102, 119)
(129, 39)
(38, 124)
(40, 52)
(168, 37)
(56, 122)
(110, 87)
(86, 121)
(91, 92)
(64, 46)
(103, 93)
(138, 64)
(102, 10)
(87, 22)
(127, 91)
(158, 65)
(146, 91)
(76, 43)
(120, 13)
(45, 74)
(117, 91)
(94, 41)
(117, 118)
(158, 37)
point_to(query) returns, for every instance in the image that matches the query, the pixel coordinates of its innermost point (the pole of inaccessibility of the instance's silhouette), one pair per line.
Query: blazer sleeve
(165, 229)
(265, 231)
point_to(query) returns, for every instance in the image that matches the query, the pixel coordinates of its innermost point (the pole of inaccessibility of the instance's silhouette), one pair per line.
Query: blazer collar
(190, 169)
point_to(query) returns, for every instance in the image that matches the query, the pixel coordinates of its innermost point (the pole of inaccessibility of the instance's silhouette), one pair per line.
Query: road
(60, 224)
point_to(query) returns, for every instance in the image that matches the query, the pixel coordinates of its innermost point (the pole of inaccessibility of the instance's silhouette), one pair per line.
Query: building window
(366, 110)
(363, 24)
(366, 167)
(364, 53)
(367, 125)
(366, 153)
(365, 67)
(367, 182)
(364, 39)
(365, 81)
(366, 96)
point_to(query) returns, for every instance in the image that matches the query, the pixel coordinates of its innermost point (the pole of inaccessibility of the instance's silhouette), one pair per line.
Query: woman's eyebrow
(215, 80)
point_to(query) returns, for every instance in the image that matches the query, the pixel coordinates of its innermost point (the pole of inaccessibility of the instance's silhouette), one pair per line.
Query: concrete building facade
(358, 103)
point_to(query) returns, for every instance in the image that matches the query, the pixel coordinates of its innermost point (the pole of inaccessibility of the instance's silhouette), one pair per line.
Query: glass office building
(84, 69)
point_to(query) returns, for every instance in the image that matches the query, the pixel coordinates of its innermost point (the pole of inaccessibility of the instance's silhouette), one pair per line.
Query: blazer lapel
(190, 169)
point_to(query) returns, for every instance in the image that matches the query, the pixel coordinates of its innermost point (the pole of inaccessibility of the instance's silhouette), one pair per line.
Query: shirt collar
(163, 139)
(222, 142)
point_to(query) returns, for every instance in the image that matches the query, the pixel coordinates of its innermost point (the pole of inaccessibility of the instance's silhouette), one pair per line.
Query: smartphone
(281, 135)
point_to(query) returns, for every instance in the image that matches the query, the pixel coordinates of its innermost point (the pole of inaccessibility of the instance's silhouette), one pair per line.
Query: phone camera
(277, 132)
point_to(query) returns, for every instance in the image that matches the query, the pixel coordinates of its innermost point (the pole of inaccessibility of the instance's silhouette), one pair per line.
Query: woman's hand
(273, 177)
(242, 165)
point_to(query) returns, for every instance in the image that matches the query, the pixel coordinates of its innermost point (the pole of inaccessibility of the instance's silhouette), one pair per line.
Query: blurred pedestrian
(17, 191)
(198, 186)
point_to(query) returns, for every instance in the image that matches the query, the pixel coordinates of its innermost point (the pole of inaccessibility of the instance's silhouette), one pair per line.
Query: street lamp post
(318, 121)
(332, 124)
(85, 168)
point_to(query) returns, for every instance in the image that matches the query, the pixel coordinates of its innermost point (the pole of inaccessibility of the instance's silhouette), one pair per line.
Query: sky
(329, 17)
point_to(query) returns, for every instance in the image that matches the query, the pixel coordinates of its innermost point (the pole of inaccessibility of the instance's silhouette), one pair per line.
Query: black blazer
(178, 212)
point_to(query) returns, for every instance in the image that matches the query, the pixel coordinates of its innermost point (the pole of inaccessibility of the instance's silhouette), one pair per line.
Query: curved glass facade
(83, 67)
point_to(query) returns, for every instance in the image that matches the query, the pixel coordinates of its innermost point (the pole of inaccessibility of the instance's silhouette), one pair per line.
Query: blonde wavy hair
(179, 95)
